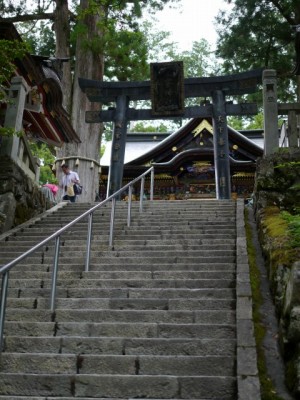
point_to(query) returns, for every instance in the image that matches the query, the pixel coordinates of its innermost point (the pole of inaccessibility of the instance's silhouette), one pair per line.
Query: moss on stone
(278, 237)
(267, 388)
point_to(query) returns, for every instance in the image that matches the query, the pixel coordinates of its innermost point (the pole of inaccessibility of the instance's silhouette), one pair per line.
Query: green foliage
(235, 123)
(10, 50)
(9, 132)
(293, 227)
(40, 38)
(259, 33)
(290, 165)
(144, 127)
(277, 229)
(257, 122)
(123, 51)
(198, 62)
(122, 43)
(46, 155)
(239, 123)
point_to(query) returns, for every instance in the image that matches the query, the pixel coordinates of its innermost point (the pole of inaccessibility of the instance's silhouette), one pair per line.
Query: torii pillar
(118, 146)
(221, 146)
(167, 91)
(270, 112)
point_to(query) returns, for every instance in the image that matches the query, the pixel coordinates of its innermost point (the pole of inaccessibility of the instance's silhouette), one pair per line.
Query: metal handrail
(4, 270)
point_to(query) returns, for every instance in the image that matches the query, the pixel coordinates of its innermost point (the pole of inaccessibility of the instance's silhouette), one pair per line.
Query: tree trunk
(62, 33)
(85, 156)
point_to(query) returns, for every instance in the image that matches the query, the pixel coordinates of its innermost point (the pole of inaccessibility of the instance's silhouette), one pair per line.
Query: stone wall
(20, 197)
(277, 188)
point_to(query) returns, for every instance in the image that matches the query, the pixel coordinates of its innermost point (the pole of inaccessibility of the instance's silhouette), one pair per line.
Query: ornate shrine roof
(191, 143)
(44, 117)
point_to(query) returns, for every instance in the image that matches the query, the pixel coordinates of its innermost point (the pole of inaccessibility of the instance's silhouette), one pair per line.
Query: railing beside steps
(4, 270)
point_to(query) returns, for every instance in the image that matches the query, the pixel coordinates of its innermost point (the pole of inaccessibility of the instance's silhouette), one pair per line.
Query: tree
(47, 157)
(9, 51)
(146, 127)
(100, 26)
(262, 33)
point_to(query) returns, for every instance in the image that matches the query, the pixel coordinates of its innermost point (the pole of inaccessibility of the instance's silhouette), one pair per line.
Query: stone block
(292, 292)
(247, 361)
(248, 388)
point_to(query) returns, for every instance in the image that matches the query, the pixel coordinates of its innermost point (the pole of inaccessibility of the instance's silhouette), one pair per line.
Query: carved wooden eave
(191, 143)
(46, 120)
(165, 145)
(183, 139)
(201, 154)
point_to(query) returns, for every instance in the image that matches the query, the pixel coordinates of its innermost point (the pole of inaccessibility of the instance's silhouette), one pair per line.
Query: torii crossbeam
(170, 77)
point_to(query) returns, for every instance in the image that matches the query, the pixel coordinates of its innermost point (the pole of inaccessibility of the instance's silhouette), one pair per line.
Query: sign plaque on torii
(167, 91)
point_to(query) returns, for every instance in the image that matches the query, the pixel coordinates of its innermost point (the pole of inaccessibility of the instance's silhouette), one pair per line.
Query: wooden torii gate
(167, 91)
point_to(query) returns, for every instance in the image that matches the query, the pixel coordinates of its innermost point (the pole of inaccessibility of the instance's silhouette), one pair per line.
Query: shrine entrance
(167, 91)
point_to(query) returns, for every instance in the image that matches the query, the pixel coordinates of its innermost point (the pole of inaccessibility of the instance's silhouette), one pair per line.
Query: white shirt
(68, 179)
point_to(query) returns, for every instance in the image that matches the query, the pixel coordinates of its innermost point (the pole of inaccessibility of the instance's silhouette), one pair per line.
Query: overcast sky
(193, 21)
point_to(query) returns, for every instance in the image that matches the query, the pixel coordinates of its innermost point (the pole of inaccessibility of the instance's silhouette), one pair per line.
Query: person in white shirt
(67, 182)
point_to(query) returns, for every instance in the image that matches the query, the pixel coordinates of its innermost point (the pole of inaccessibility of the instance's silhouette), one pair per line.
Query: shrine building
(183, 161)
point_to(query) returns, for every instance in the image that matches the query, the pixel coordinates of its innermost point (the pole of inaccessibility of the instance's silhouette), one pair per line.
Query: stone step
(168, 227)
(145, 253)
(174, 247)
(123, 283)
(146, 311)
(32, 239)
(198, 203)
(125, 275)
(155, 317)
(168, 223)
(213, 294)
(160, 220)
(128, 261)
(126, 242)
(141, 365)
(103, 212)
(118, 386)
(147, 229)
(52, 398)
(201, 228)
(148, 219)
(183, 244)
(121, 329)
(114, 345)
(151, 220)
(111, 267)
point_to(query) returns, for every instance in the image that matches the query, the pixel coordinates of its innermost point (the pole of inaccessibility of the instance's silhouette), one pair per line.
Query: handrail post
(112, 221)
(54, 273)
(4, 288)
(152, 184)
(129, 205)
(142, 193)
(57, 235)
(88, 242)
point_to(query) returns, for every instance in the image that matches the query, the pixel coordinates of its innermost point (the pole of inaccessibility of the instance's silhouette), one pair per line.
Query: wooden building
(44, 117)
(184, 160)
(33, 107)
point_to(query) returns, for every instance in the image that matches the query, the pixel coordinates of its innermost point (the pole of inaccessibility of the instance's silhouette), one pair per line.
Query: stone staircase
(164, 314)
